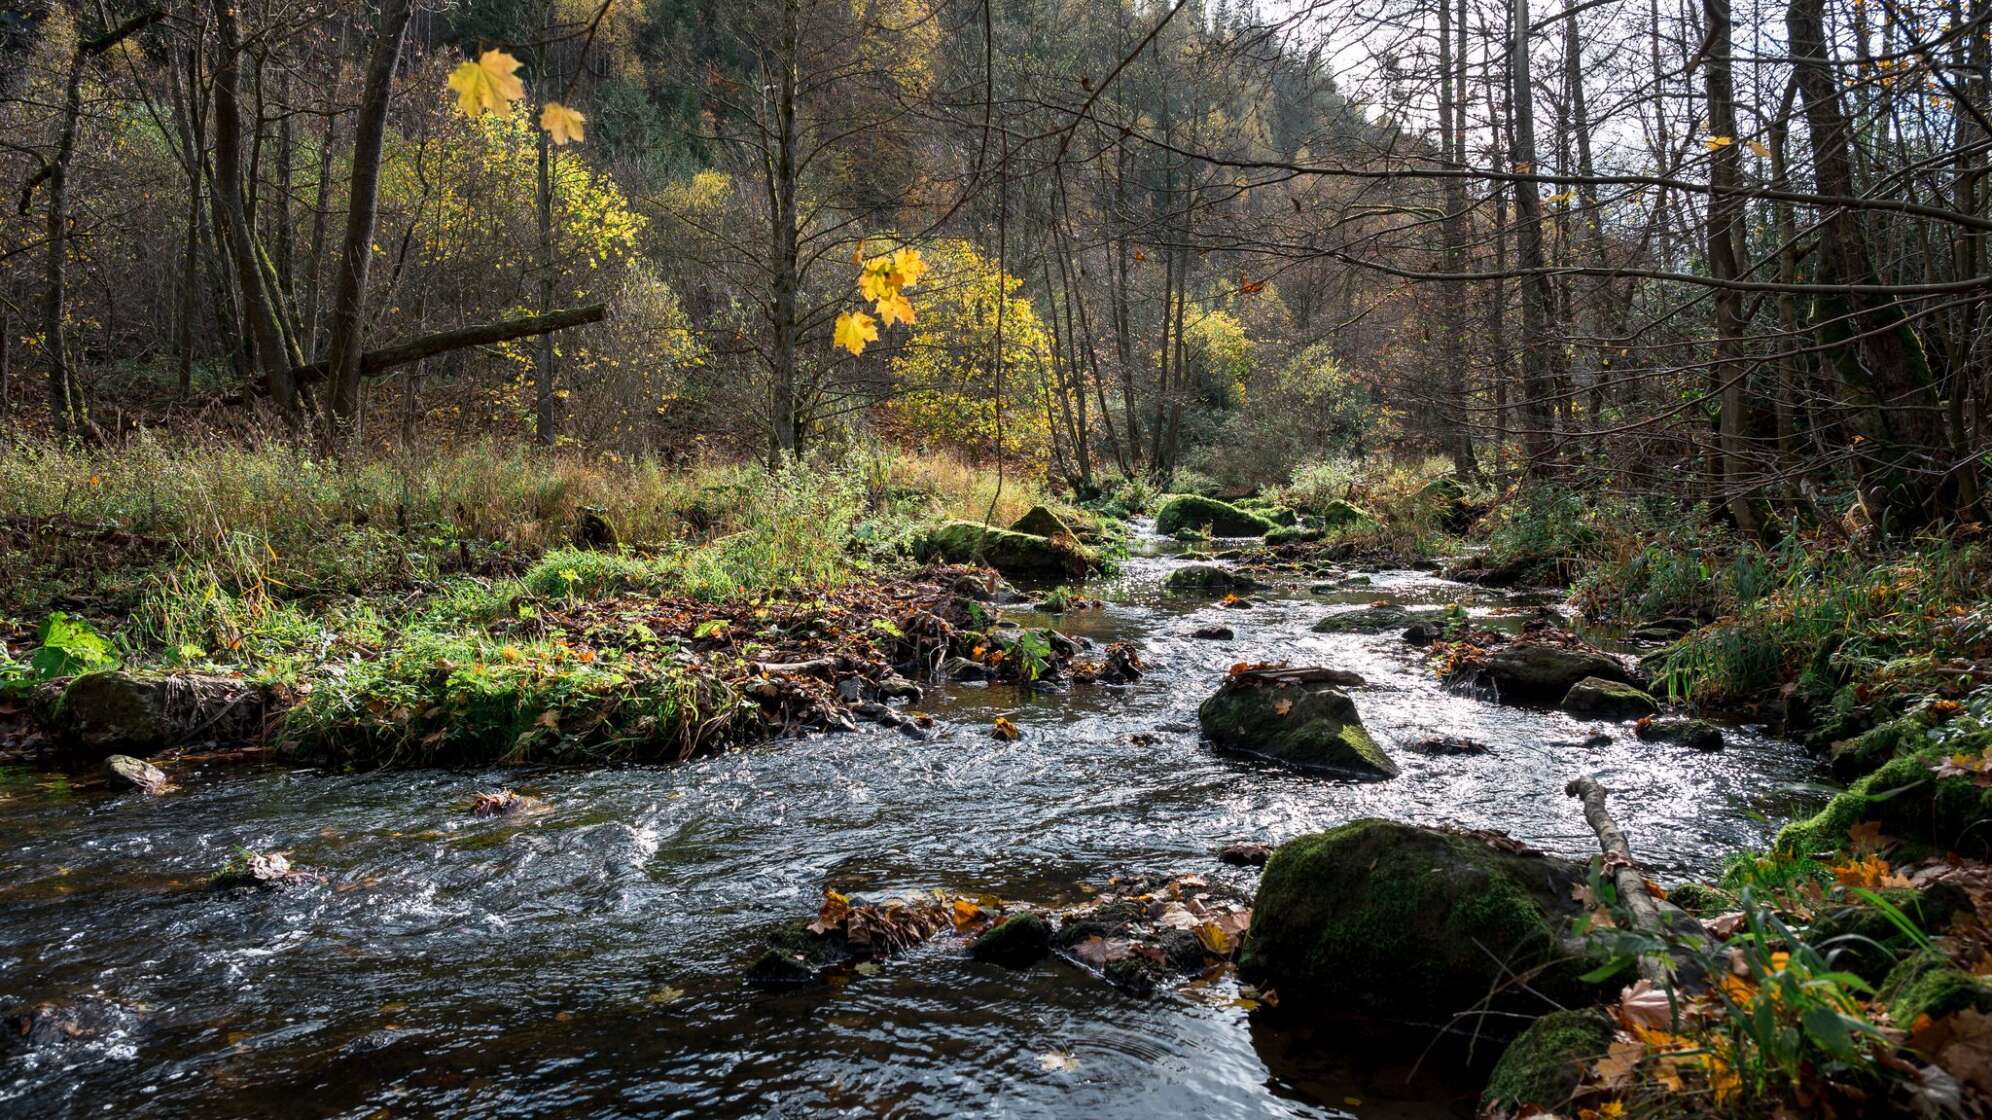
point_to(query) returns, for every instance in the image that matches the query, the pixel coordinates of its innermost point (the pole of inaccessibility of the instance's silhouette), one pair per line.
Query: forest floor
(486, 611)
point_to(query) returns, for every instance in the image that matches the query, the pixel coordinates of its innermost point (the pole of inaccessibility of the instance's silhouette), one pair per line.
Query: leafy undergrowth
(1846, 985)
(628, 675)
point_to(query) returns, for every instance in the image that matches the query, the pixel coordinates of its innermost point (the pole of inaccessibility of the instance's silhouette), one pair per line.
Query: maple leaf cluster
(882, 280)
(492, 83)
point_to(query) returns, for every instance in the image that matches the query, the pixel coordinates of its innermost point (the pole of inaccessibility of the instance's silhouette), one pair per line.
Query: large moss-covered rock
(1295, 716)
(1912, 804)
(1543, 1066)
(119, 712)
(1872, 748)
(1928, 983)
(1012, 553)
(1220, 519)
(1339, 514)
(1295, 534)
(1532, 672)
(1040, 521)
(1409, 922)
(1597, 698)
(1371, 620)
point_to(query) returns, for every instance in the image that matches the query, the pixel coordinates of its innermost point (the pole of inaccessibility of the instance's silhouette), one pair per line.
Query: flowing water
(585, 962)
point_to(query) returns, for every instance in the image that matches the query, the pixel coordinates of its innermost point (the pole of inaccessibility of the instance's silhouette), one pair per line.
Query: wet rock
(1537, 672)
(137, 774)
(506, 803)
(1208, 577)
(1448, 745)
(1412, 923)
(1213, 633)
(266, 870)
(119, 712)
(1544, 1065)
(1246, 854)
(1369, 620)
(851, 690)
(899, 688)
(1296, 717)
(1013, 554)
(793, 956)
(1220, 519)
(51, 1024)
(1697, 733)
(1236, 603)
(1596, 698)
(962, 669)
(1018, 941)
(1422, 634)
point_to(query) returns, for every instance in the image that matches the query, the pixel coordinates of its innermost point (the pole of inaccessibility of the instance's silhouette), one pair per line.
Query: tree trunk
(1725, 262)
(344, 360)
(1536, 290)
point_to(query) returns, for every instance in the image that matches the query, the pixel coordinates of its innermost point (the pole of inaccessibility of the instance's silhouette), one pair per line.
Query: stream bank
(587, 958)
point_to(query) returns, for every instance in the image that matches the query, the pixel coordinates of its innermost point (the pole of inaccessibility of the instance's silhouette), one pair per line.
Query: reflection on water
(583, 962)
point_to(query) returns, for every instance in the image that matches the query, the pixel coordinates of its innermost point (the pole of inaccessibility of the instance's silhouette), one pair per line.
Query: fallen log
(1640, 906)
(380, 361)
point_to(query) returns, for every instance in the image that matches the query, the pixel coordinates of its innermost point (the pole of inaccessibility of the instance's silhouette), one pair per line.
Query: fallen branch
(1640, 906)
(377, 362)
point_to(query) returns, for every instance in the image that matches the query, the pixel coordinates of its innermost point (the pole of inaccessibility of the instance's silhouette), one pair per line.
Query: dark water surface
(585, 962)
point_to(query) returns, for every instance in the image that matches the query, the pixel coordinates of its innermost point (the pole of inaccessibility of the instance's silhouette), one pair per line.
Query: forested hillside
(1046, 558)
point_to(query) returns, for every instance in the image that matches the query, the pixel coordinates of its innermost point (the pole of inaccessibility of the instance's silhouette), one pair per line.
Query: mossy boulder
(1597, 698)
(140, 713)
(1871, 749)
(793, 955)
(1865, 941)
(1022, 555)
(1340, 514)
(1697, 733)
(1910, 802)
(1294, 534)
(1040, 521)
(1018, 941)
(1297, 717)
(1408, 922)
(1533, 672)
(1545, 1064)
(1220, 519)
(1209, 577)
(1928, 983)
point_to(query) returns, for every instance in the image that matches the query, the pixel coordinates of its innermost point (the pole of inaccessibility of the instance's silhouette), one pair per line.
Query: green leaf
(70, 646)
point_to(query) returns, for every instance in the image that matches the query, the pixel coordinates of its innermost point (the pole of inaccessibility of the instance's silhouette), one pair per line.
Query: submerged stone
(1369, 620)
(1297, 717)
(1219, 519)
(1597, 698)
(137, 773)
(1409, 922)
(1018, 941)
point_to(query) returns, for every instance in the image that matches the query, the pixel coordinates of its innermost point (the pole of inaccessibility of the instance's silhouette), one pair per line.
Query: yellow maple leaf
(854, 329)
(491, 83)
(564, 125)
(1758, 148)
(1715, 142)
(894, 308)
(878, 283)
(909, 266)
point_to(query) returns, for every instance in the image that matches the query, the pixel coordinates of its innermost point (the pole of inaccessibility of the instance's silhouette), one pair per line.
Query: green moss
(1314, 728)
(1294, 534)
(1020, 940)
(1927, 983)
(1013, 554)
(1040, 521)
(1876, 746)
(1701, 898)
(1911, 803)
(1192, 511)
(1340, 514)
(1543, 1066)
(1405, 921)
